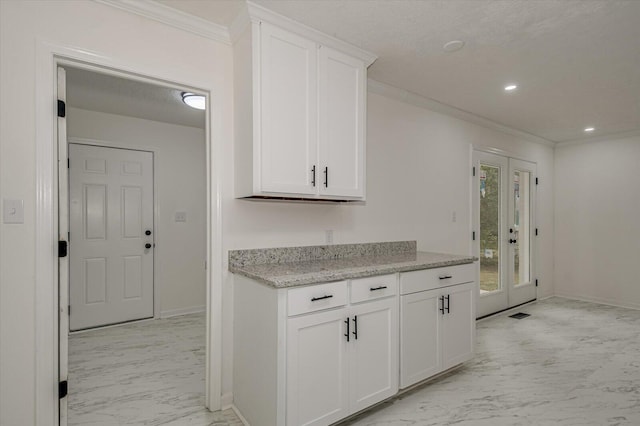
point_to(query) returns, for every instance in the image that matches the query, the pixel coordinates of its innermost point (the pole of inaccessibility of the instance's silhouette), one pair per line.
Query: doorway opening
(504, 194)
(133, 206)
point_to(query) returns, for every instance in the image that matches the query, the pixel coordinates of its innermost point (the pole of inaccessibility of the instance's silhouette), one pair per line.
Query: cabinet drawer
(428, 279)
(316, 297)
(371, 288)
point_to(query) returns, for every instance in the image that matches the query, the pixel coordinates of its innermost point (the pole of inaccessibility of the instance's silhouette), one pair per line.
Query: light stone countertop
(297, 273)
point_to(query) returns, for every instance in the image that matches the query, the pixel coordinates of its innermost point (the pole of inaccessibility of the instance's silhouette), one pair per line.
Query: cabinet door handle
(445, 277)
(441, 298)
(326, 177)
(448, 302)
(347, 335)
(355, 327)
(313, 179)
(382, 287)
(326, 296)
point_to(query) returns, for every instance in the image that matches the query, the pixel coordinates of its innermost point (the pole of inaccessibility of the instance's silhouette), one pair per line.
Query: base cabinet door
(458, 325)
(373, 361)
(420, 352)
(317, 368)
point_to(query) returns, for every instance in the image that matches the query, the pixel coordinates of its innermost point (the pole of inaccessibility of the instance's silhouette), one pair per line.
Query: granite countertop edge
(319, 277)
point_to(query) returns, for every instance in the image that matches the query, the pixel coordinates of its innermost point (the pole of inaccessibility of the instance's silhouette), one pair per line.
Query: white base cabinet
(324, 351)
(437, 326)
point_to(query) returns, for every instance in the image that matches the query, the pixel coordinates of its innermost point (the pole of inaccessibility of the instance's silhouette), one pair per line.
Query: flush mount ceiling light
(511, 87)
(589, 129)
(453, 45)
(193, 100)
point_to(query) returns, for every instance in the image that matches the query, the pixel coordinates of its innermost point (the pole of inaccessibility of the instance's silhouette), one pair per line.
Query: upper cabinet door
(288, 110)
(341, 124)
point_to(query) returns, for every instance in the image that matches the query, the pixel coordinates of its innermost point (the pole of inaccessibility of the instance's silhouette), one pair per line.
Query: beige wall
(597, 211)
(180, 185)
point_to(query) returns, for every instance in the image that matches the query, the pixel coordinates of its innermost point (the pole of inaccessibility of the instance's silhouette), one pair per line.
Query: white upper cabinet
(300, 111)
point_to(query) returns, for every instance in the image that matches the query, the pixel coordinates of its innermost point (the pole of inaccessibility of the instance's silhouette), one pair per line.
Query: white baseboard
(182, 311)
(242, 419)
(602, 301)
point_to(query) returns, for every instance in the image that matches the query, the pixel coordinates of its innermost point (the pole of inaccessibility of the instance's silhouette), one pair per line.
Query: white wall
(106, 35)
(418, 165)
(180, 185)
(597, 211)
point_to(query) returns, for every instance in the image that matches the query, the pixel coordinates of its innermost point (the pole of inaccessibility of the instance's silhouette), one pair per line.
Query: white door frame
(48, 57)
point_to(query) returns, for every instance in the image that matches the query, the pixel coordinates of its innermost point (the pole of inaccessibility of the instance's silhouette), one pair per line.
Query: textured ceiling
(114, 95)
(576, 62)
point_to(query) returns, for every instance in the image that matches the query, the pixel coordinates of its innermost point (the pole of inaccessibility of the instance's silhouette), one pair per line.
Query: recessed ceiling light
(589, 129)
(510, 87)
(453, 45)
(194, 101)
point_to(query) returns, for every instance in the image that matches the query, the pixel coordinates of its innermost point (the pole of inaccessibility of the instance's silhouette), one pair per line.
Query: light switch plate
(13, 211)
(181, 217)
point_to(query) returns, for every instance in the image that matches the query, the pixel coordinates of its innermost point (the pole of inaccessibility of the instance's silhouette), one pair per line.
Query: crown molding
(600, 138)
(172, 17)
(256, 13)
(414, 99)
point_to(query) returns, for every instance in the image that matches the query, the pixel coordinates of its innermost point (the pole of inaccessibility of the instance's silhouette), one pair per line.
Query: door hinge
(68, 163)
(536, 282)
(473, 235)
(69, 310)
(62, 109)
(536, 232)
(63, 389)
(536, 181)
(474, 170)
(62, 249)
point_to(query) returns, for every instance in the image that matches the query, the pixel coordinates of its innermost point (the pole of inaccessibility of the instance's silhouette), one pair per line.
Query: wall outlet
(328, 234)
(181, 217)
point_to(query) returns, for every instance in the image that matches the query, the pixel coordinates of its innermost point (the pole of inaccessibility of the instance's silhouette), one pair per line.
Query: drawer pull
(445, 277)
(327, 296)
(382, 287)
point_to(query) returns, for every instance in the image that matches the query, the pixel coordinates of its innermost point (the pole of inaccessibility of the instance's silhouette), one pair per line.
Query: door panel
(288, 99)
(420, 327)
(111, 204)
(374, 360)
(458, 326)
(341, 126)
(317, 368)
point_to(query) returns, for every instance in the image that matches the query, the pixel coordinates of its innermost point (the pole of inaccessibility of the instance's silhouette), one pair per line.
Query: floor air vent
(519, 315)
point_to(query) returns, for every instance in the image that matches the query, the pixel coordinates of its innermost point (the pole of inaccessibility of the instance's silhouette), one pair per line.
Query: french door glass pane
(522, 228)
(489, 228)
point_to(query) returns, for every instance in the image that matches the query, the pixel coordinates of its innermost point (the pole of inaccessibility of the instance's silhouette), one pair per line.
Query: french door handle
(355, 327)
(448, 302)
(147, 246)
(347, 334)
(512, 241)
(441, 298)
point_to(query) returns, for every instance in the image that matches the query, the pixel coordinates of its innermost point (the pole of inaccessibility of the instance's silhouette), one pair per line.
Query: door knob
(147, 246)
(511, 230)
(512, 241)
(147, 232)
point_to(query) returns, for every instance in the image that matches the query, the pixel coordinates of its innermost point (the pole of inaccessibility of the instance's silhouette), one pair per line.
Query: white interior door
(111, 235)
(504, 201)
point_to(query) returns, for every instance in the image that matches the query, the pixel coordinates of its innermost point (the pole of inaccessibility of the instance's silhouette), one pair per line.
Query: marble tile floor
(569, 363)
(144, 373)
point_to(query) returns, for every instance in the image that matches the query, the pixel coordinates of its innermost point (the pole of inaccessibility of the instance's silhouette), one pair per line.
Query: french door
(504, 226)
